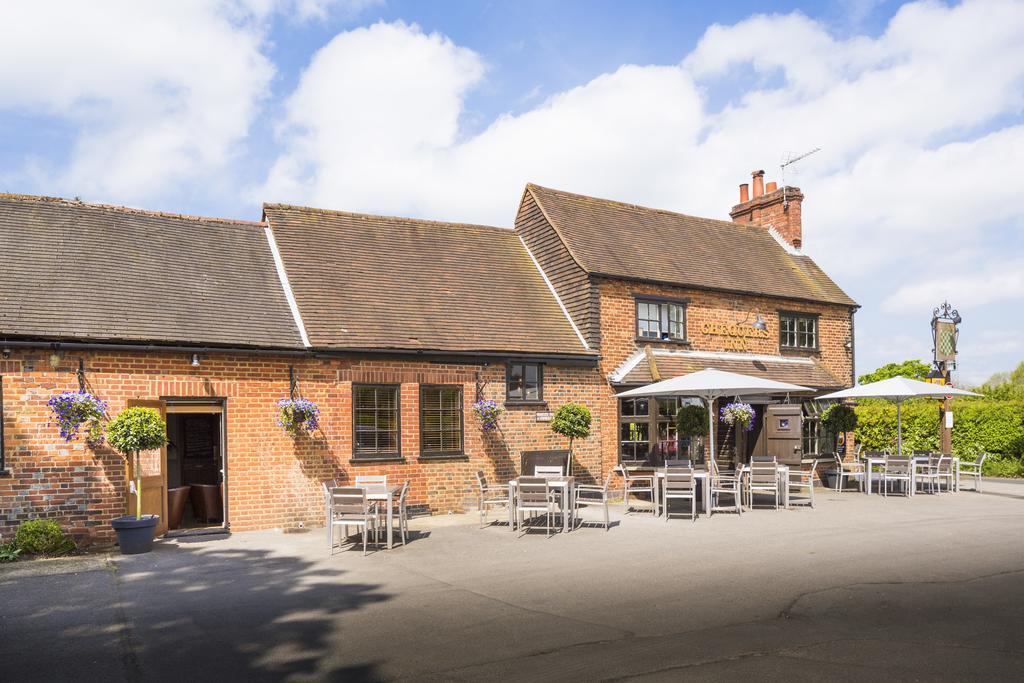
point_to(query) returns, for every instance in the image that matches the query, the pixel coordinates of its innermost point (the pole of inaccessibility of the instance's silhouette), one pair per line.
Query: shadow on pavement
(184, 613)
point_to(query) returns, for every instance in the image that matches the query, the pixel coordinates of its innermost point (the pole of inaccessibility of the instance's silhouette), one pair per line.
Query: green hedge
(995, 427)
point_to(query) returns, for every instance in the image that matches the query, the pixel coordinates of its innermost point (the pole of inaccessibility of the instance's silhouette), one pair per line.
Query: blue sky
(445, 109)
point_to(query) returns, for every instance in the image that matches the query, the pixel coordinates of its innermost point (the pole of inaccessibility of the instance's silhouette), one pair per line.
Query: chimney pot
(744, 193)
(771, 187)
(758, 177)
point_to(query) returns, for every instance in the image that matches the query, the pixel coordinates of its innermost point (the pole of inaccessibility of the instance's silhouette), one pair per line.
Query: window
(661, 320)
(816, 440)
(375, 415)
(798, 331)
(634, 428)
(525, 382)
(667, 408)
(440, 420)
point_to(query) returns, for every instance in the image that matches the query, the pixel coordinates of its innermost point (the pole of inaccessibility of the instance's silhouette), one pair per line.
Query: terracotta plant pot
(206, 501)
(135, 536)
(176, 499)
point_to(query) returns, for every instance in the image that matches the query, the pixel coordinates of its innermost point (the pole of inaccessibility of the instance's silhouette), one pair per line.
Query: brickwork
(705, 308)
(773, 210)
(273, 479)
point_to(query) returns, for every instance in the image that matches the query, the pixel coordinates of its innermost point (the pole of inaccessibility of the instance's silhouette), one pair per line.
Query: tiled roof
(91, 272)
(376, 282)
(807, 372)
(627, 241)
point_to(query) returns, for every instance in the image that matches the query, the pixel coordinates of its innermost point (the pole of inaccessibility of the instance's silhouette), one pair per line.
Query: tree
(691, 422)
(911, 369)
(1005, 386)
(134, 430)
(572, 421)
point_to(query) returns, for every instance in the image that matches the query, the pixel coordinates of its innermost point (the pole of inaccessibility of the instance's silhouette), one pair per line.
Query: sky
(444, 110)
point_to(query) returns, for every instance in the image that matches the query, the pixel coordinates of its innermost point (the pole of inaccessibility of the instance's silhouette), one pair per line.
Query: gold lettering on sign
(736, 335)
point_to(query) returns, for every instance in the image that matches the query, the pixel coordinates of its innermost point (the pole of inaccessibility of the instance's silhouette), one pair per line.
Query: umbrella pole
(711, 432)
(899, 429)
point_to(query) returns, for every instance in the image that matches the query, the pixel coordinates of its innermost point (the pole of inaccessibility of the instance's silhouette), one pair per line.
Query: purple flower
(298, 415)
(739, 414)
(72, 409)
(488, 412)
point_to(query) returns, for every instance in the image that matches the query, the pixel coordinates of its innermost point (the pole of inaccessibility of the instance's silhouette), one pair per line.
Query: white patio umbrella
(899, 389)
(711, 384)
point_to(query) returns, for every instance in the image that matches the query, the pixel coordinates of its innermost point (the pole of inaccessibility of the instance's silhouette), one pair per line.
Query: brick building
(394, 327)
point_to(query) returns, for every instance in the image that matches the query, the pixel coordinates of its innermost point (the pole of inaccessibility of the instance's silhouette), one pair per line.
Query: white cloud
(987, 285)
(920, 127)
(307, 10)
(158, 93)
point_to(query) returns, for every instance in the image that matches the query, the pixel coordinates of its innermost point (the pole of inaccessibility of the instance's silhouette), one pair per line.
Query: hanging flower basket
(488, 412)
(298, 415)
(739, 415)
(72, 409)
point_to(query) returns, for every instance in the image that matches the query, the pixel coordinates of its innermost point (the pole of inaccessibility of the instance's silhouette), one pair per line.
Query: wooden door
(784, 429)
(154, 473)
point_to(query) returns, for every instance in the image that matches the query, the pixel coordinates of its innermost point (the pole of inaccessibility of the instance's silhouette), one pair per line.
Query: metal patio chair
(927, 472)
(973, 470)
(764, 478)
(802, 479)
(372, 480)
(847, 470)
(944, 470)
(327, 486)
(590, 495)
(490, 496)
(725, 483)
(349, 507)
(637, 484)
(679, 485)
(896, 469)
(399, 512)
(683, 462)
(534, 494)
(548, 471)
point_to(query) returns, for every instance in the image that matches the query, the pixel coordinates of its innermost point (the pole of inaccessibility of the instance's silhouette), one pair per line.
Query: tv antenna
(790, 160)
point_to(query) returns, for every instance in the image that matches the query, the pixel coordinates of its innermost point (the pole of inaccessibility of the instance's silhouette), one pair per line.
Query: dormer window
(661, 319)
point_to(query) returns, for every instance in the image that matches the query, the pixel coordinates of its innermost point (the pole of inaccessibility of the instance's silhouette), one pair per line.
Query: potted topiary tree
(572, 420)
(135, 430)
(692, 422)
(839, 419)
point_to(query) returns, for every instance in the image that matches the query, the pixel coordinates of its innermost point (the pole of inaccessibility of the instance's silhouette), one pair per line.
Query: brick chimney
(767, 208)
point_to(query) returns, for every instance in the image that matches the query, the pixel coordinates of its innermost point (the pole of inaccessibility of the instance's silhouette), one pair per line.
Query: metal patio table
(384, 493)
(566, 484)
(699, 475)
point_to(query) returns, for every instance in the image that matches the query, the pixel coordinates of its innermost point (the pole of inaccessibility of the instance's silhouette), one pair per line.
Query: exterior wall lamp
(195, 360)
(758, 323)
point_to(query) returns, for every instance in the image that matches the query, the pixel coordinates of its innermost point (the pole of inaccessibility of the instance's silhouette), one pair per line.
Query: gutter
(428, 354)
(99, 346)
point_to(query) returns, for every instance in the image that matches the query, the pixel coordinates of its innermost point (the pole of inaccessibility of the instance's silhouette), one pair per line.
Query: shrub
(9, 552)
(839, 418)
(692, 420)
(43, 537)
(995, 427)
(572, 421)
(137, 429)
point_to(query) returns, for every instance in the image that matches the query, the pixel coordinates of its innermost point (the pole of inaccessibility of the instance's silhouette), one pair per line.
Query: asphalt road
(860, 588)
